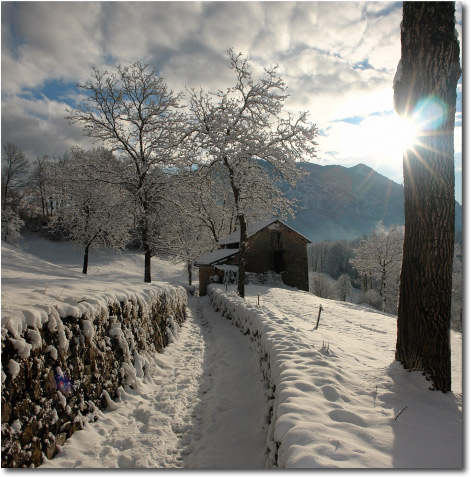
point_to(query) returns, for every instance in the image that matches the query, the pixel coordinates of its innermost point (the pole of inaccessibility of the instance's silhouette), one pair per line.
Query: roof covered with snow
(212, 258)
(252, 229)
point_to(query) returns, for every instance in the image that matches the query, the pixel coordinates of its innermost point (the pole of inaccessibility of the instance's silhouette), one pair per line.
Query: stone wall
(54, 379)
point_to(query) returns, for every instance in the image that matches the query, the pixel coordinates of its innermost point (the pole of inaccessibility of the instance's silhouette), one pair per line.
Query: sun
(428, 115)
(406, 132)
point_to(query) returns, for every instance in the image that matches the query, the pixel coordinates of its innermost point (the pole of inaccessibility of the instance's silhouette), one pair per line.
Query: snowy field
(342, 401)
(43, 274)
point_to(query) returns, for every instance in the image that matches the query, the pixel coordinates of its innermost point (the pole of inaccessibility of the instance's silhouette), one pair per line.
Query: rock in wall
(56, 376)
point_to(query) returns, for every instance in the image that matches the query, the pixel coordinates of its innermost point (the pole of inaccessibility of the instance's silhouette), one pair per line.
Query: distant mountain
(337, 202)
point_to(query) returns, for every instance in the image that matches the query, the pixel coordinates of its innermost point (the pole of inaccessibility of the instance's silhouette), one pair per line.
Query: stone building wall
(261, 250)
(205, 274)
(54, 379)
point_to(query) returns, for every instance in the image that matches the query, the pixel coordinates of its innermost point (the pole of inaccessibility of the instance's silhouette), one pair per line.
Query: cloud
(49, 40)
(458, 139)
(373, 141)
(338, 60)
(38, 127)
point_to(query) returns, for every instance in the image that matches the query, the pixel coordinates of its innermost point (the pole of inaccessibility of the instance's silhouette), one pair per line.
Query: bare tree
(40, 184)
(15, 167)
(337, 259)
(133, 113)
(243, 128)
(425, 89)
(318, 253)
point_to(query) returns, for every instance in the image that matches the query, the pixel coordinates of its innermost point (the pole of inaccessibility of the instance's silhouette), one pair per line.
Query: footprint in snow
(330, 393)
(341, 415)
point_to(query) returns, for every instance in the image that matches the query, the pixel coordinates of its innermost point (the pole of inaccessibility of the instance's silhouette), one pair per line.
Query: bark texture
(429, 68)
(242, 255)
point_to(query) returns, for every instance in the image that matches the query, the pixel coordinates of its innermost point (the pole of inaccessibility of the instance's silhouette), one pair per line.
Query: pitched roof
(216, 256)
(252, 229)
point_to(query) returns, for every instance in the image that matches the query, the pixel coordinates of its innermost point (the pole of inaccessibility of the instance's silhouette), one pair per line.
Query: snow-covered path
(202, 405)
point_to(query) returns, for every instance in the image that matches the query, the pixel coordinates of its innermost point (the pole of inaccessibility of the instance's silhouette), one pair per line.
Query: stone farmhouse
(272, 246)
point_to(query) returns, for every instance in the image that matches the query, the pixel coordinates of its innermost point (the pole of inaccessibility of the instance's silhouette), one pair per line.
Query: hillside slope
(39, 274)
(340, 398)
(337, 202)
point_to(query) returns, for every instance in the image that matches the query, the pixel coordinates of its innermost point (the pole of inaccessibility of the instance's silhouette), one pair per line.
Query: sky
(338, 60)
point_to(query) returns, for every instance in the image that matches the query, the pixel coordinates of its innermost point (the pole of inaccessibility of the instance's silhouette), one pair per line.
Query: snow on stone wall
(267, 342)
(60, 365)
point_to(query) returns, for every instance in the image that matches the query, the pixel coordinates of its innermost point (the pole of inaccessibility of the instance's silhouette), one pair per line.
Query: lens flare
(63, 383)
(430, 113)
(407, 133)
(428, 116)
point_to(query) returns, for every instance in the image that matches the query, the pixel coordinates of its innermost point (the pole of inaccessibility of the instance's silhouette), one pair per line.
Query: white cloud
(374, 135)
(49, 40)
(458, 139)
(38, 127)
(337, 58)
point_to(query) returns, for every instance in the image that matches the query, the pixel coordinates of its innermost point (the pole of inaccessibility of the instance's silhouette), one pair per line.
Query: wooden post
(258, 299)
(318, 317)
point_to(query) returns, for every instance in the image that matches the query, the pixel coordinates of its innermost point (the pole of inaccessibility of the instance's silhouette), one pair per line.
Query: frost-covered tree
(317, 254)
(95, 214)
(132, 112)
(15, 168)
(41, 184)
(379, 257)
(343, 287)
(11, 226)
(321, 285)
(182, 237)
(199, 213)
(242, 129)
(372, 297)
(336, 261)
(207, 196)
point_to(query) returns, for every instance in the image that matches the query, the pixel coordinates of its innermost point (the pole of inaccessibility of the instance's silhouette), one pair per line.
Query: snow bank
(71, 354)
(339, 398)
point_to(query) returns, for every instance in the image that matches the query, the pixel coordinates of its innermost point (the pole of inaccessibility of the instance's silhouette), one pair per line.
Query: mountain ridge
(343, 203)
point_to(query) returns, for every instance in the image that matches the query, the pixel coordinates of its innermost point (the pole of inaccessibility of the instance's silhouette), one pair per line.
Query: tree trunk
(242, 255)
(147, 257)
(5, 190)
(144, 223)
(43, 208)
(85, 260)
(430, 71)
(383, 289)
(189, 268)
(147, 272)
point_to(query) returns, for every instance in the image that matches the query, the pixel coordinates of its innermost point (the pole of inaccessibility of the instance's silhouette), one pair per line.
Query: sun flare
(406, 133)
